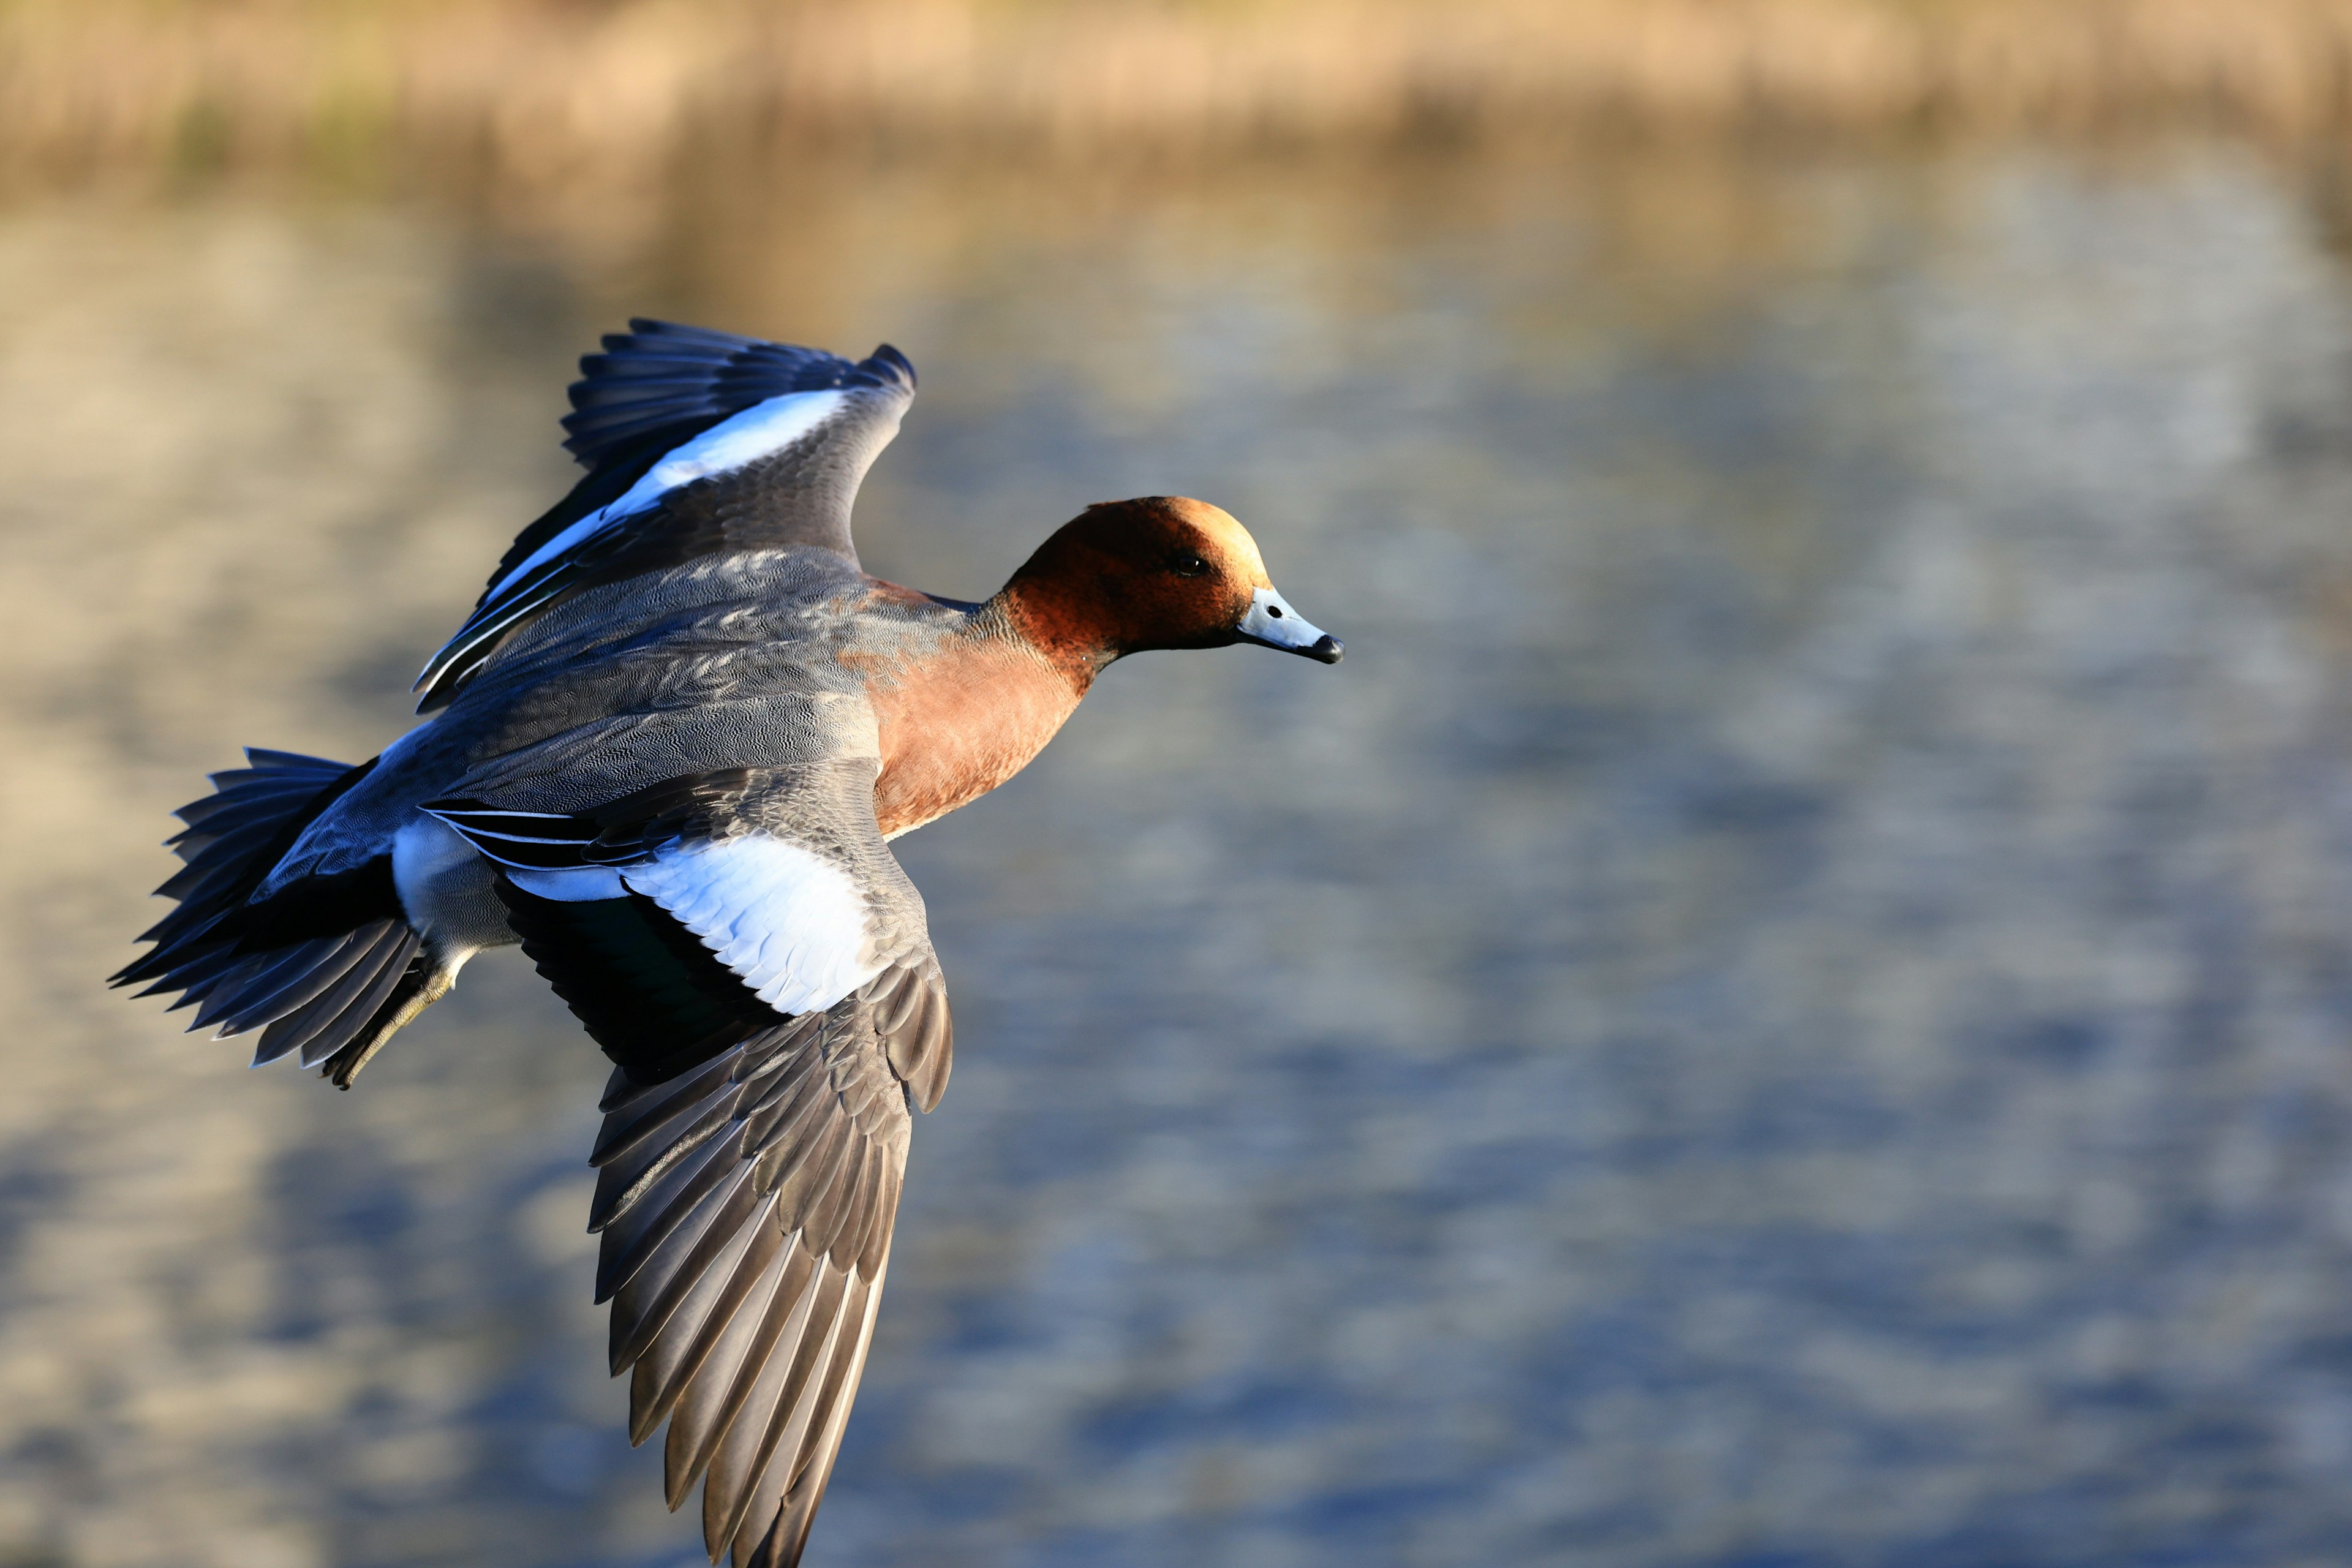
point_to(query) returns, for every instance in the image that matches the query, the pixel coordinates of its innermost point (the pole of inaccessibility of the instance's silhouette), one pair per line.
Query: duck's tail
(327, 967)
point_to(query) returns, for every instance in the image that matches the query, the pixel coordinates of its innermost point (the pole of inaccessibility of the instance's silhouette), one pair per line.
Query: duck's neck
(1067, 634)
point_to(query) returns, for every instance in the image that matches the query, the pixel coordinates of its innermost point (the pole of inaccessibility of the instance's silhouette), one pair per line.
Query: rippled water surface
(1788, 1006)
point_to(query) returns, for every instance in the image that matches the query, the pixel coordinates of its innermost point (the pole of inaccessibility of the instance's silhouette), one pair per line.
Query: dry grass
(537, 90)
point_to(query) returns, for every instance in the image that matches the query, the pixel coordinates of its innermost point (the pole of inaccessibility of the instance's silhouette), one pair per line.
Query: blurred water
(1786, 1005)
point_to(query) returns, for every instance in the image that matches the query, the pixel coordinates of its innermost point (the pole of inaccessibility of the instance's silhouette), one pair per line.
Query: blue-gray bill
(1272, 623)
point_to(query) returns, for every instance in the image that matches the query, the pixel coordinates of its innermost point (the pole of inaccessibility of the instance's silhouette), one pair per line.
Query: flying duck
(666, 753)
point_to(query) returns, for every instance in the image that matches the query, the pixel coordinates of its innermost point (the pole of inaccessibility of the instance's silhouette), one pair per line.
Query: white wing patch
(792, 924)
(760, 431)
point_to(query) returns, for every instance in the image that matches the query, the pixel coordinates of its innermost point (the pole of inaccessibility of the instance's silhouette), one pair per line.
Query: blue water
(1788, 1006)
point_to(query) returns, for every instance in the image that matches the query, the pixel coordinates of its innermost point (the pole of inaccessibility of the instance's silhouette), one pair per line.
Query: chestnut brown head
(1157, 572)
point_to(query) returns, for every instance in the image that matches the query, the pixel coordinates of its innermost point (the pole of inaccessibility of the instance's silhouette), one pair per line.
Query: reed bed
(537, 89)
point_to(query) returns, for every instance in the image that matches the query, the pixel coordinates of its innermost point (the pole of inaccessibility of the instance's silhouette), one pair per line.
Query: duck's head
(1159, 571)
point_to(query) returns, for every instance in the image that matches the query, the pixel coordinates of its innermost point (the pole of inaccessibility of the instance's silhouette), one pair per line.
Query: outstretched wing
(745, 948)
(696, 442)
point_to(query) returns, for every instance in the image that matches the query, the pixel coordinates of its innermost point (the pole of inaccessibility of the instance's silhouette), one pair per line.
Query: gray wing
(702, 443)
(746, 1208)
(761, 977)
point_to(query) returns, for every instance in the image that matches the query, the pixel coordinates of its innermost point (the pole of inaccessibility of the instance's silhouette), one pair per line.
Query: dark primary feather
(745, 1203)
(660, 377)
(746, 1207)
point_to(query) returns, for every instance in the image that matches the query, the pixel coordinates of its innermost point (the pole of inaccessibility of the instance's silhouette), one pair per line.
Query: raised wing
(745, 948)
(696, 442)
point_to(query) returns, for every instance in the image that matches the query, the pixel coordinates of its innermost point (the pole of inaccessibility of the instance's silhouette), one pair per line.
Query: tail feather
(177, 938)
(208, 963)
(245, 799)
(268, 986)
(330, 978)
(233, 837)
(331, 1017)
(213, 853)
(424, 983)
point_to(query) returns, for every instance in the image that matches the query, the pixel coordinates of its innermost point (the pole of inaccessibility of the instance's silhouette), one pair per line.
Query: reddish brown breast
(958, 720)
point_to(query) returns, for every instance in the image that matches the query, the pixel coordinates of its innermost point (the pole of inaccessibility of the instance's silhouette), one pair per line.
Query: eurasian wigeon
(668, 749)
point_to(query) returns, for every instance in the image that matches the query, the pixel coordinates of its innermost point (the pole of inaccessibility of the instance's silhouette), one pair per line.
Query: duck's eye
(1188, 565)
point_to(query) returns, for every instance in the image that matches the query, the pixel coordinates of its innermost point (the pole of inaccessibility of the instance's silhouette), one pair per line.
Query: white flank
(421, 853)
(1271, 619)
(760, 431)
(792, 924)
(584, 885)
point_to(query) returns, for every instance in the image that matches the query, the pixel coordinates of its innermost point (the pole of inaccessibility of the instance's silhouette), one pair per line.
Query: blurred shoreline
(537, 94)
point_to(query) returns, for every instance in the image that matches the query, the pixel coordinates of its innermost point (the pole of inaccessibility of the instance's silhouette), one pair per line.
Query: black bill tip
(1327, 649)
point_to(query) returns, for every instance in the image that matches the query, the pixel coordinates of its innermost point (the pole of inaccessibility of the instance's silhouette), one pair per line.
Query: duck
(666, 755)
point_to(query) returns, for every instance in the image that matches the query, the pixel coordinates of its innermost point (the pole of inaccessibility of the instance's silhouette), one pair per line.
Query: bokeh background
(1791, 1005)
